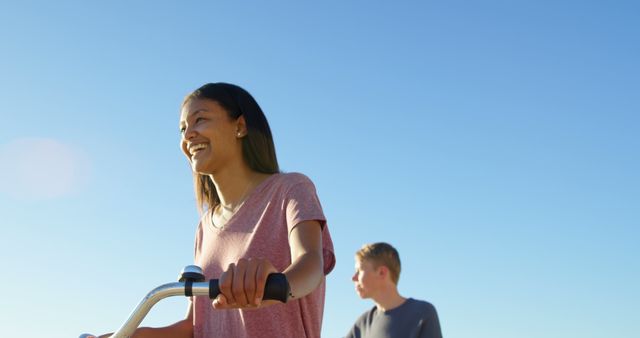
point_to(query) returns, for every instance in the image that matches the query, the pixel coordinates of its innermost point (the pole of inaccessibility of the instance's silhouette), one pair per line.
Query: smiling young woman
(255, 220)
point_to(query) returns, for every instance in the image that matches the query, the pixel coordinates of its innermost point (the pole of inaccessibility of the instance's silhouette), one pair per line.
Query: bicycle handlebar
(276, 288)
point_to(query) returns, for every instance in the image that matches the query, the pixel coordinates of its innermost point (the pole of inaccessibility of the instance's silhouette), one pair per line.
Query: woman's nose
(188, 133)
(354, 277)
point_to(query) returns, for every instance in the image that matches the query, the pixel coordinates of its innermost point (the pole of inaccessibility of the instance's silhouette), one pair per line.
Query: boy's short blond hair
(381, 254)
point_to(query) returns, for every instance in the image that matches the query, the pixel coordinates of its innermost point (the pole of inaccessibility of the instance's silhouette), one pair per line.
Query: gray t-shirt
(412, 319)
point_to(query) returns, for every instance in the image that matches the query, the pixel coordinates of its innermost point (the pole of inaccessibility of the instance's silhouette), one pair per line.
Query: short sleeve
(302, 204)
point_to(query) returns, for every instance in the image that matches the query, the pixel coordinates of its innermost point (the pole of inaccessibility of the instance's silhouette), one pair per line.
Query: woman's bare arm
(306, 270)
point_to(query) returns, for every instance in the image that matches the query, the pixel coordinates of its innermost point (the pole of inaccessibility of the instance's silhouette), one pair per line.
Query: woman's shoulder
(284, 184)
(294, 178)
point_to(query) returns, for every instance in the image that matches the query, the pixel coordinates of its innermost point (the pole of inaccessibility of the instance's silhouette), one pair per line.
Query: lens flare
(41, 168)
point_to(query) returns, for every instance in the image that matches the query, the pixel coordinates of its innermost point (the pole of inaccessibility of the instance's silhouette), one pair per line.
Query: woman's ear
(241, 127)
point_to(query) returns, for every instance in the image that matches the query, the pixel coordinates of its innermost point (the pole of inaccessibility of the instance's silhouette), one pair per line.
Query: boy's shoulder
(366, 317)
(421, 306)
(420, 303)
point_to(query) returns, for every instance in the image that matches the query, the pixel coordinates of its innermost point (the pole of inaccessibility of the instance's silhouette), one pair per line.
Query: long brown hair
(258, 149)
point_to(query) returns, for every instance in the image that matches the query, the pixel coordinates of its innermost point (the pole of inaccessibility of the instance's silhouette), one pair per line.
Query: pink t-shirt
(260, 229)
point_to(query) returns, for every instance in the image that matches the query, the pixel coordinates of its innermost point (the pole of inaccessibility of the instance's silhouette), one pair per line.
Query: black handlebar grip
(277, 288)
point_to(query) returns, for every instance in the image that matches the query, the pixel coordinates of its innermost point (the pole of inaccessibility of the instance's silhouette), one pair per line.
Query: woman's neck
(235, 184)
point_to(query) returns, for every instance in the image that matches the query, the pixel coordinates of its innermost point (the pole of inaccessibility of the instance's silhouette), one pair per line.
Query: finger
(225, 283)
(250, 280)
(261, 279)
(238, 283)
(220, 302)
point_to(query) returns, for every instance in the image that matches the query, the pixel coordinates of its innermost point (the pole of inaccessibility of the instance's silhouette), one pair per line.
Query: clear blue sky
(494, 143)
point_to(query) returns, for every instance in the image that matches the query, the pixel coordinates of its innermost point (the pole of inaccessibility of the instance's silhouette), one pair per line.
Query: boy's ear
(383, 271)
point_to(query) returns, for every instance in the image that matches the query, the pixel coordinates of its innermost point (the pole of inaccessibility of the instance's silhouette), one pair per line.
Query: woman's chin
(200, 168)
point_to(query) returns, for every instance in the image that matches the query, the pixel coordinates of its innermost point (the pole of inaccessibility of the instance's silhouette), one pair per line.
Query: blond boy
(376, 277)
